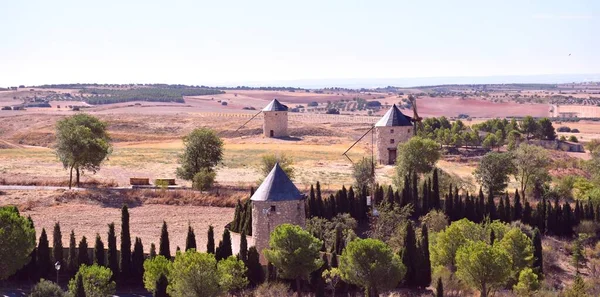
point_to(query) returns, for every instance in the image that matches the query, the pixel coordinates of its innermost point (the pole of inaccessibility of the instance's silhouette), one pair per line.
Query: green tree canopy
(483, 266)
(493, 171)
(82, 143)
(267, 162)
(416, 155)
(203, 150)
(194, 274)
(362, 172)
(232, 274)
(520, 251)
(17, 240)
(96, 281)
(46, 288)
(531, 165)
(294, 252)
(371, 264)
(448, 241)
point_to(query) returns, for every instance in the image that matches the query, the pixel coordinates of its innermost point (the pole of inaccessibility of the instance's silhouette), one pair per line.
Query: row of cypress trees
(344, 201)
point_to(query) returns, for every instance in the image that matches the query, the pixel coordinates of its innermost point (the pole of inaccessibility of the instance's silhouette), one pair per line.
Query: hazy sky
(221, 41)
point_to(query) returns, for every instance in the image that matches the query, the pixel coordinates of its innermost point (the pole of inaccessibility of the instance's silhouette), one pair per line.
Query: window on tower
(391, 130)
(272, 208)
(391, 141)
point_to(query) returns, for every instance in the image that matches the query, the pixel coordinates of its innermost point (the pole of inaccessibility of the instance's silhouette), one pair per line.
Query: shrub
(46, 288)
(6, 108)
(273, 290)
(574, 130)
(204, 179)
(573, 138)
(563, 129)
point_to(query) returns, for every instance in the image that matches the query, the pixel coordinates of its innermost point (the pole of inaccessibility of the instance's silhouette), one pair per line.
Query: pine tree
(518, 212)
(190, 240)
(72, 260)
(137, 261)
(255, 271)
(29, 271)
(538, 256)
(424, 275)
(210, 245)
(439, 291)
(79, 290)
(57, 247)
(99, 251)
(83, 258)
(243, 247)
(43, 256)
(164, 248)
(410, 257)
(161, 286)
(113, 259)
(224, 246)
(152, 250)
(436, 190)
(125, 244)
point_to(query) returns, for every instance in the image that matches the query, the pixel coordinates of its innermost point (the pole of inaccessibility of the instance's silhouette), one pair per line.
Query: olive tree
(17, 240)
(203, 150)
(371, 264)
(493, 171)
(267, 162)
(531, 165)
(295, 253)
(82, 143)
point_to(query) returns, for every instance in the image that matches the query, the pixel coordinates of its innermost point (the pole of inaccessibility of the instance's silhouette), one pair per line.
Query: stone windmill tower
(393, 128)
(275, 117)
(277, 201)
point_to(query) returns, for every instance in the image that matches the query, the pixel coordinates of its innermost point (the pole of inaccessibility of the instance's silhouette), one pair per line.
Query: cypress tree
(481, 203)
(538, 258)
(425, 200)
(29, 271)
(492, 237)
(319, 200)
(190, 240)
(113, 259)
(508, 210)
(248, 218)
(334, 261)
(410, 257)
(591, 215)
(99, 251)
(415, 196)
(424, 275)
(161, 286)
(83, 257)
(343, 200)
(316, 280)
(526, 218)
(490, 207)
(518, 210)
(152, 250)
(125, 244)
(436, 190)
(43, 255)
(243, 247)
(597, 212)
(352, 204)
(210, 245)
(57, 247)
(255, 272)
(338, 242)
(568, 220)
(439, 291)
(237, 223)
(501, 211)
(224, 246)
(312, 203)
(389, 196)
(79, 291)
(578, 213)
(540, 213)
(164, 248)
(137, 261)
(72, 260)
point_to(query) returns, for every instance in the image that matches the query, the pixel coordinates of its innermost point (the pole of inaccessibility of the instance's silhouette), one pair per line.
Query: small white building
(275, 117)
(393, 128)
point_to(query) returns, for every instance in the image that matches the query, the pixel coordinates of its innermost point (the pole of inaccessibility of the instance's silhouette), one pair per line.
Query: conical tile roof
(275, 105)
(393, 118)
(277, 186)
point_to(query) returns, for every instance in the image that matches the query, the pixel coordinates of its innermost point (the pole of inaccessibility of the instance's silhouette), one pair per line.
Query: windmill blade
(248, 121)
(345, 153)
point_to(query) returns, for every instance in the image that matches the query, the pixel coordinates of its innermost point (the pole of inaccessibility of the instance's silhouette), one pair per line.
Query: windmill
(275, 120)
(416, 118)
(345, 154)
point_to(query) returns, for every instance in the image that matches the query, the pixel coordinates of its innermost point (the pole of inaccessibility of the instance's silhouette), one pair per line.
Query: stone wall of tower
(264, 220)
(276, 121)
(384, 137)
